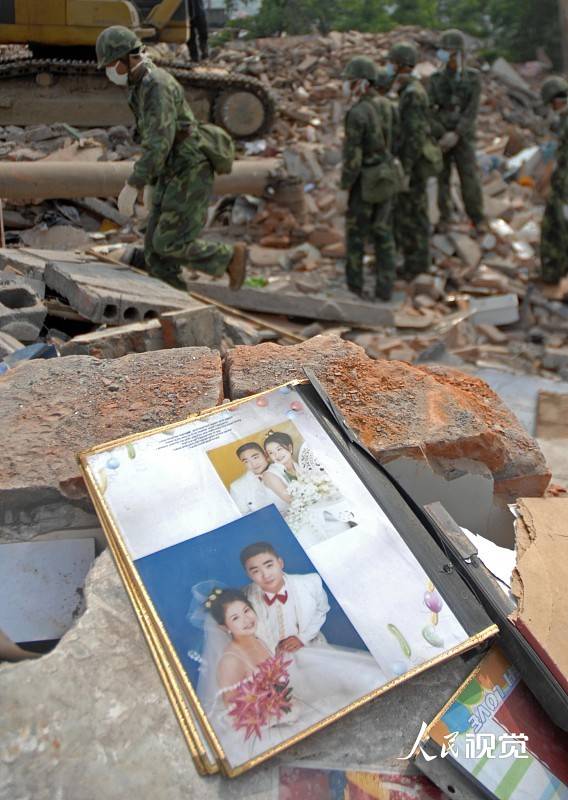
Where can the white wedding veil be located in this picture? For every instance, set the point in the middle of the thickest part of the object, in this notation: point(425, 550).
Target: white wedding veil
point(215, 641)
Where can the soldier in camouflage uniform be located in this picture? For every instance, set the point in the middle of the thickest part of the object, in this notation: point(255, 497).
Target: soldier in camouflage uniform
point(172, 169)
point(412, 225)
point(554, 231)
point(387, 108)
point(366, 136)
point(454, 98)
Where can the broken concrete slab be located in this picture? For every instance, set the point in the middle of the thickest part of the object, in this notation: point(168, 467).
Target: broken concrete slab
point(31, 262)
point(58, 237)
point(501, 309)
point(555, 358)
point(399, 410)
point(101, 678)
point(9, 277)
point(104, 293)
point(8, 344)
point(41, 587)
point(21, 312)
point(467, 248)
point(240, 331)
point(53, 409)
point(102, 209)
point(510, 77)
point(260, 256)
point(443, 244)
point(466, 492)
point(197, 326)
point(296, 304)
point(139, 337)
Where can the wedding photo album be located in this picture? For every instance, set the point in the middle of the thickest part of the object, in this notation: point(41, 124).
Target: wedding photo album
point(275, 592)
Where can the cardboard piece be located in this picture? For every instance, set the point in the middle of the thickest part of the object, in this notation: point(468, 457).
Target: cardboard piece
point(540, 579)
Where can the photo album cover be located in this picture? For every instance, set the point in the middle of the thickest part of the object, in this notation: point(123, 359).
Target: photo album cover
point(495, 732)
point(275, 593)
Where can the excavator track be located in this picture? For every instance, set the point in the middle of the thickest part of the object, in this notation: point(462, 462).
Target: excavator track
point(239, 103)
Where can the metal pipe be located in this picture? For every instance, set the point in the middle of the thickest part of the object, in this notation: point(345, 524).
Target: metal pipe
point(60, 180)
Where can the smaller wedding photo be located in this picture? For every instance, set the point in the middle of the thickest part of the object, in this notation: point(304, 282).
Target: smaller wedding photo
point(278, 466)
point(262, 640)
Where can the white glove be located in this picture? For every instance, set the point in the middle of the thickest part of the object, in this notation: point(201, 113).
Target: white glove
point(147, 197)
point(127, 199)
point(448, 141)
point(565, 211)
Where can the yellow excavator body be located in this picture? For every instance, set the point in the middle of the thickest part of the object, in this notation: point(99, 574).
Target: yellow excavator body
point(56, 80)
point(77, 23)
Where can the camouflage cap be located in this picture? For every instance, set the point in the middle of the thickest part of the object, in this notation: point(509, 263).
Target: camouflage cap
point(114, 43)
point(552, 87)
point(452, 40)
point(404, 54)
point(359, 67)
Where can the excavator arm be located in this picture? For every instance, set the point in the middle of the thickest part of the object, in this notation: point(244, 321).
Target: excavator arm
point(163, 13)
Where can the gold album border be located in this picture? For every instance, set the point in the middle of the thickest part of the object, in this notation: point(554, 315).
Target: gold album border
point(471, 677)
point(164, 649)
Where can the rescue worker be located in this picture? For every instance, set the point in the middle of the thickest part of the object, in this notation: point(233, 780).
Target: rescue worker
point(412, 225)
point(454, 99)
point(554, 231)
point(198, 30)
point(366, 135)
point(172, 176)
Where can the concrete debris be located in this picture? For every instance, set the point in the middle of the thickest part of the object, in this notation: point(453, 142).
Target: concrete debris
point(105, 661)
point(21, 312)
point(343, 307)
point(497, 310)
point(8, 344)
point(112, 294)
point(400, 410)
point(67, 404)
point(92, 348)
point(41, 587)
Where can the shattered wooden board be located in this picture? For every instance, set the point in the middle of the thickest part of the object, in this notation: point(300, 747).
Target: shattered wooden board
point(104, 293)
point(540, 580)
point(293, 304)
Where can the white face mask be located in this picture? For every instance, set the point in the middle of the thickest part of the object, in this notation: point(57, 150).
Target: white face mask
point(346, 89)
point(116, 77)
point(144, 59)
point(361, 87)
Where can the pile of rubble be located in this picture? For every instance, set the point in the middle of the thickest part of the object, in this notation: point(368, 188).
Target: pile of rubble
point(478, 303)
point(113, 351)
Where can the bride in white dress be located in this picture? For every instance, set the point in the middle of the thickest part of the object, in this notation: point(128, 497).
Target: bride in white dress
point(317, 510)
point(315, 682)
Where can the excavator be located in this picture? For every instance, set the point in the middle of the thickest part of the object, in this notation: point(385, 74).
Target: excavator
point(55, 78)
